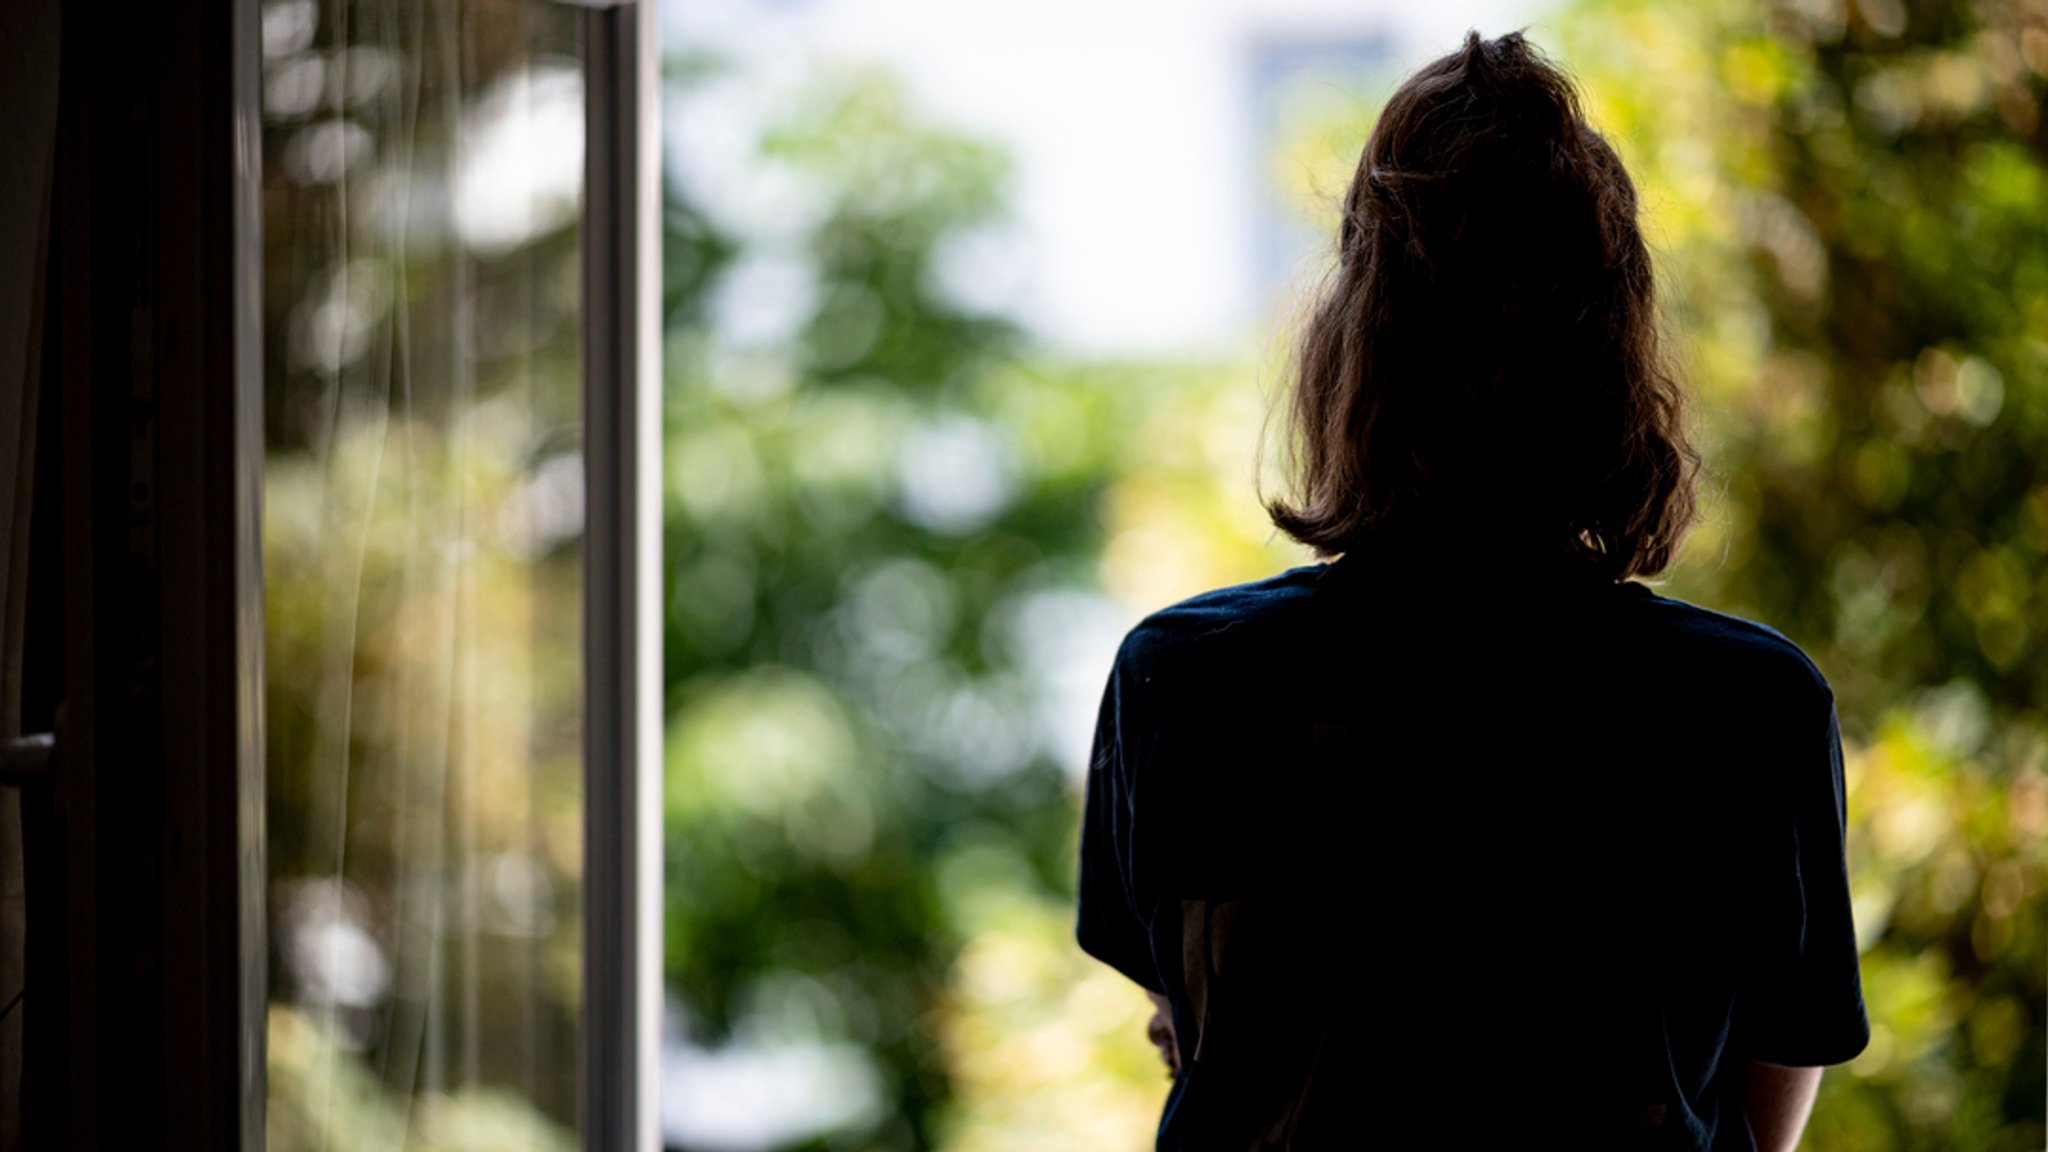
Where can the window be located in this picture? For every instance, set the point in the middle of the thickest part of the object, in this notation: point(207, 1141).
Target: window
point(342, 838)
point(452, 439)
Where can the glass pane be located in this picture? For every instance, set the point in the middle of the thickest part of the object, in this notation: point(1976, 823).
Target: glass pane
point(423, 508)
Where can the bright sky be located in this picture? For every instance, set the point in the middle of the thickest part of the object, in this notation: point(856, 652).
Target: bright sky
point(1130, 121)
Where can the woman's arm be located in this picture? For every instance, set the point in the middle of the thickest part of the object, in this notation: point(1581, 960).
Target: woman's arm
point(1159, 1030)
point(1778, 1100)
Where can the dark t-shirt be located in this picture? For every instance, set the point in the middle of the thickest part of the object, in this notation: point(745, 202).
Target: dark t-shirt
point(1409, 855)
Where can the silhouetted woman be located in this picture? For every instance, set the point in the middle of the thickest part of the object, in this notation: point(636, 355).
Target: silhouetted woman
point(1466, 838)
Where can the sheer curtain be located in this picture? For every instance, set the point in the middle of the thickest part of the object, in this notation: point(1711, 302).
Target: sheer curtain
point(423, 511)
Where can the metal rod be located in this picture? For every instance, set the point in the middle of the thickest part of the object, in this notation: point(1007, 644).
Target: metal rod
point(621, 551)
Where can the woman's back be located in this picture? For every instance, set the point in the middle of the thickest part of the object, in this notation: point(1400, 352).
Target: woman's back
point(1550, 856)
point(1531, 853)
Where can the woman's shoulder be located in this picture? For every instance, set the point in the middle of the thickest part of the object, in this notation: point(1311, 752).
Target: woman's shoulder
point(1723, 645)
point(1261, 622)
point(1225, 617)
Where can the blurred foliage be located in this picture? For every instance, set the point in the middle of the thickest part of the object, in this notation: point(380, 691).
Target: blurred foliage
point(1848, 206)
point(1851, 208)
point(901, 541)
point(322, 1096)
point(882, 520)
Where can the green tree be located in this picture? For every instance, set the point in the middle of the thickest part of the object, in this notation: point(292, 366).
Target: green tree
point(1852, 207)
point(875, 504)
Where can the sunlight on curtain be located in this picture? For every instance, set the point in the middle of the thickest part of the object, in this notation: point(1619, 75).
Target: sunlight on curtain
point(423, 507)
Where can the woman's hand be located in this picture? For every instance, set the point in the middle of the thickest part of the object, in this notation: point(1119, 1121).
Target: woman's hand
point(1159, 1030)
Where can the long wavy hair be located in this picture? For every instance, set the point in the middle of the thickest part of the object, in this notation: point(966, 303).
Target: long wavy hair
point(1482, 368)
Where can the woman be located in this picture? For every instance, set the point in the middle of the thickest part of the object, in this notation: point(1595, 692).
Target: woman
point(1465, 837)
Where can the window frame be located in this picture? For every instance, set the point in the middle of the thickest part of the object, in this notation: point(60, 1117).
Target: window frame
point(148, 875)
point(622, 580)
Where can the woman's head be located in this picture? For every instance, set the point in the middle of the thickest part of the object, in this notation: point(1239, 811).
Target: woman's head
point(1483, 365)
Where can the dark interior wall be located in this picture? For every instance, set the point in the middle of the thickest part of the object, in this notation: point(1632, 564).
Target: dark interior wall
point(138, 597)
